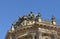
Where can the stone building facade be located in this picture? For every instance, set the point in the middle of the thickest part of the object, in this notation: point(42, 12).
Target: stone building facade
point(34, 27)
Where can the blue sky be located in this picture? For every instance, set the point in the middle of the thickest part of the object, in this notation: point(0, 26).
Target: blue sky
point(11, 9)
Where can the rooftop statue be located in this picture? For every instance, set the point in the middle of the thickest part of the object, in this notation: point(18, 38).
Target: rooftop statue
point(25, 17)
point(39, 15)
point(53, 20)
point(19, 18)
point(31, 15)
